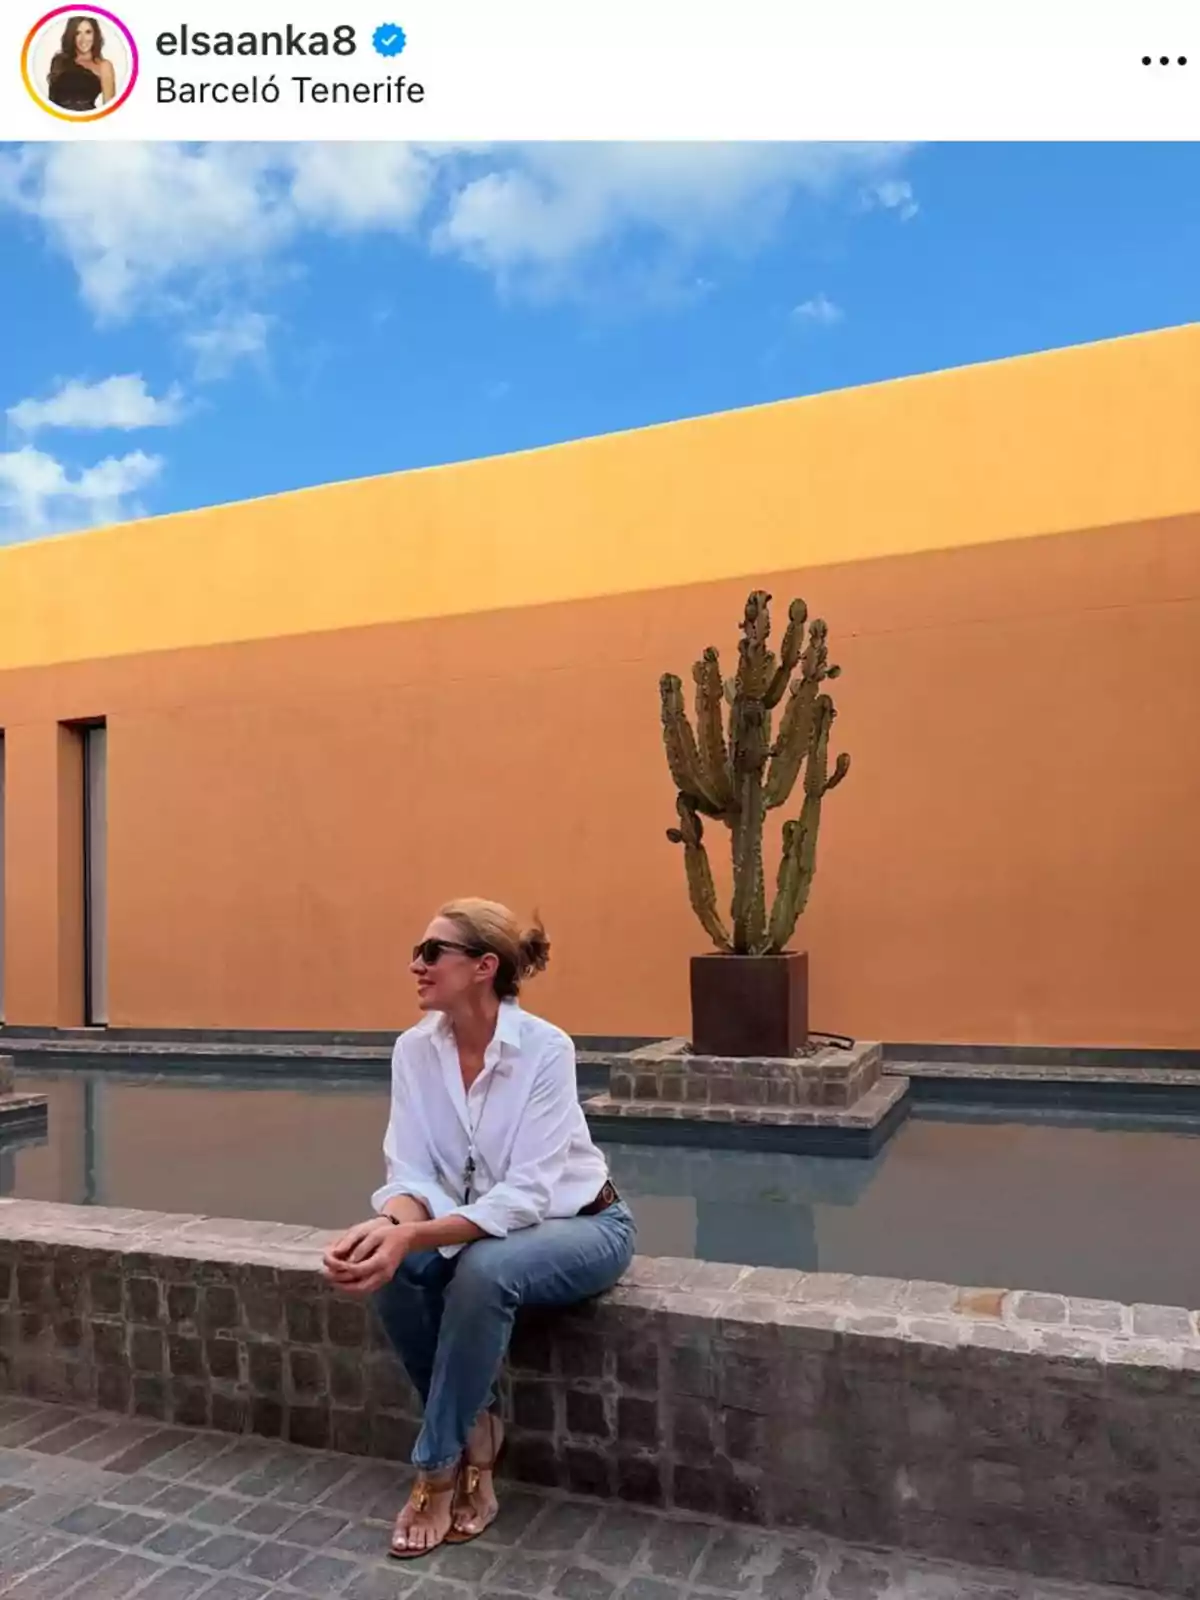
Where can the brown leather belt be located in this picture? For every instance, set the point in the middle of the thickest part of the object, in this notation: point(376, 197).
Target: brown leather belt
point(608, 1196)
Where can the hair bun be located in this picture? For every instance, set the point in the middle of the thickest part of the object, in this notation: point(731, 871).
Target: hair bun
point(534, 948)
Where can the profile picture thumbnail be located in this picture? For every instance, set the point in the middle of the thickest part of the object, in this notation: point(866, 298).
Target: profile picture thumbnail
point(79, 63)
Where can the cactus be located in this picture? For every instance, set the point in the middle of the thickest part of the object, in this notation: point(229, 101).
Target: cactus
point(702, 891)
point(736, 777)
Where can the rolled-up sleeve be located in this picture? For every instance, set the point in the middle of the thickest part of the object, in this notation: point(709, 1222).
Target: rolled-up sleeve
point(539, 1152)
point(409, 1163)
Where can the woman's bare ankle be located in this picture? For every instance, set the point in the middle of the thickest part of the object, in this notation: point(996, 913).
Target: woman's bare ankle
point(484, 1440)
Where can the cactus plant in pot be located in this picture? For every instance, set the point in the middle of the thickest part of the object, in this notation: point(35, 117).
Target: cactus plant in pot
point(750, 997)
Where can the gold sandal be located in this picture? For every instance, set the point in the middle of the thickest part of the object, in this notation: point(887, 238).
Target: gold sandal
point(422, 1493)
point(462, 1510)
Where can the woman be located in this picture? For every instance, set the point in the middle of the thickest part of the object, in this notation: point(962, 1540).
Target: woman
point(495, 1198)
point(79, 74)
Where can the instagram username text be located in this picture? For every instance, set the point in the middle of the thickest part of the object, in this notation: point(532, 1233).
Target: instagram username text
point(290, 41)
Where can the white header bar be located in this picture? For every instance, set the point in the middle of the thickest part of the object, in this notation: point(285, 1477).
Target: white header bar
point(479, 70)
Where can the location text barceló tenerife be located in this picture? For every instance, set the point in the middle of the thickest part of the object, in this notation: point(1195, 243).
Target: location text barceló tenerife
point(397, 91)
point(290, 42)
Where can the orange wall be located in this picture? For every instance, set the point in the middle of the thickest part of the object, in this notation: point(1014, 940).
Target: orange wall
point(330, 710)
point(1013, 859)
point(1091, 436)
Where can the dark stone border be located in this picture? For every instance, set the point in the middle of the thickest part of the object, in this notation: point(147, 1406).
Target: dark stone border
point(137, 1062)
point(1118, 1058)
point(1108, 1096)
point(13, 1033)
point(232, 1072)
point(222, 1057)
point(263, 1044)
point(188, 1040)
point(22, 1116)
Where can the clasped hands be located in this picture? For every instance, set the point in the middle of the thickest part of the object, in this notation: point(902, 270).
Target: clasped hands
point(368, 1255)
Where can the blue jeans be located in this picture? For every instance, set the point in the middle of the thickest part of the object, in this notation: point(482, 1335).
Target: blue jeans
point(451, 1320)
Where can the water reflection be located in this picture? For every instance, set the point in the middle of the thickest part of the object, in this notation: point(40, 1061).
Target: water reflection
point(1082, 1205)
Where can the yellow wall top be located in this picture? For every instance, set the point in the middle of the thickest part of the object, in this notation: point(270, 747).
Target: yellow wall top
point(1083, 437)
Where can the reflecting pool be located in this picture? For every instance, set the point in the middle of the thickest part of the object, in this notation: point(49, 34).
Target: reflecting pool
point(1079, 1204)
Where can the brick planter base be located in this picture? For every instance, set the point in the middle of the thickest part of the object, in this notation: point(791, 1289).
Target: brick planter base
point(828, 1101)
point(19, 1113)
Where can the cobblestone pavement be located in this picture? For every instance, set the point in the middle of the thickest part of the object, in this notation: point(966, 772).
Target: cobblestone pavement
point(99, 1508)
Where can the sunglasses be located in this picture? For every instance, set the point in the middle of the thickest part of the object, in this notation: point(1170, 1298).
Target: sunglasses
point(430, 951)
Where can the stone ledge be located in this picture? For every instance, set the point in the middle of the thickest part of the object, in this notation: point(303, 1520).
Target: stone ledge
point(170, 1050)
point(1031, 1430)
point(1109, 1330)
point(21, 1111)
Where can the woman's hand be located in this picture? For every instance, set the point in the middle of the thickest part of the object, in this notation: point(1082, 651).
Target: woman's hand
point(368, 1255)
point(355, 1244)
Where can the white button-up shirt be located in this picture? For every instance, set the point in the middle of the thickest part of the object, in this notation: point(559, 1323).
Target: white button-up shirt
point(534, 1157)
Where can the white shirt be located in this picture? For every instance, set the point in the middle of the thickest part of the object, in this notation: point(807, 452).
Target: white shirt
point(534, 1156)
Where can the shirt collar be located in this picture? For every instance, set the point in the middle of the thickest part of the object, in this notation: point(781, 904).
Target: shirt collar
point(508, 1028)
point(508, 1025)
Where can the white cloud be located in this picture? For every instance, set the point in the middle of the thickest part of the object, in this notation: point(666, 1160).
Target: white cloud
point(138, 219)
point(894, 194)
point(820, 309)
point(231, 338)
point(39, 495)
point(346, 187)
point(148, 225)
point(545, 206)
point(123, 403)
point(143, 222)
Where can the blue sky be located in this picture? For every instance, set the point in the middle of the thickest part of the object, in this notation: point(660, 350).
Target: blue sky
point(190, 325)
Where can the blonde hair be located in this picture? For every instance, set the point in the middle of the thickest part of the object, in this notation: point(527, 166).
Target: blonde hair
point(489, 926)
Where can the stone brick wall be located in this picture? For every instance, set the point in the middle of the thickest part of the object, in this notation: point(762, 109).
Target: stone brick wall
point(19, 1113)
point(828, 1077)
point(840, 1096)
point(1052, 1435)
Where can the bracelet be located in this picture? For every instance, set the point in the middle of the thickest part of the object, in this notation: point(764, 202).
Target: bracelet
point(386, 1217)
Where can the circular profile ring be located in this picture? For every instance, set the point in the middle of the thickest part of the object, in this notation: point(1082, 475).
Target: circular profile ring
point(88, 11)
